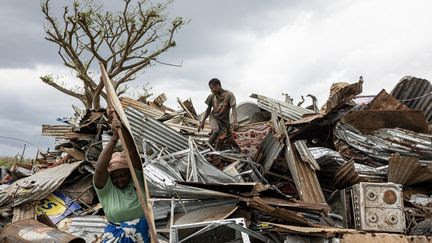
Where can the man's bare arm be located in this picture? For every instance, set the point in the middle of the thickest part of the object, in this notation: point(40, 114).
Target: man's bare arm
point(206, 114)
point(234, 113)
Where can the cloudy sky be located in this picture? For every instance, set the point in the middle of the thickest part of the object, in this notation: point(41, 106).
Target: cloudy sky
point(267, 47)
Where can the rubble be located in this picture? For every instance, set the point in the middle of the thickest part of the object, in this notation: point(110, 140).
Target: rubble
point(360, 164)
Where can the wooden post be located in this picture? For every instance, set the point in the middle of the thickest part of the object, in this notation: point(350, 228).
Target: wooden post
point(130, 150)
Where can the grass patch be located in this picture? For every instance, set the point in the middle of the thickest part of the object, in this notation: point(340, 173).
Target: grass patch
point(8, 161)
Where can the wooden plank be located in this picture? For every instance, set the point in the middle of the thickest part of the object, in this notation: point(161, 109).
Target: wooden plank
point(185, 109)
point(131, 151)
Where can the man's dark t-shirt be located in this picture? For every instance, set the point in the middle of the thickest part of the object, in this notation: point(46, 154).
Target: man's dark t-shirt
point(221, 106)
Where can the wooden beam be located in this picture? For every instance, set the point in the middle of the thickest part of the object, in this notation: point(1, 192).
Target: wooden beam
point(130, 150)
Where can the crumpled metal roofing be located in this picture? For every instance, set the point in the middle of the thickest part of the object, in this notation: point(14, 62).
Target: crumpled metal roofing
point(329, 160)
point(407, 170)
point(416, 93)
point(306, 155)
point(325, 156)
point(385, 141)
point(163, 183)
point(289, 111)
point(56, 130)
point(158, 134)
point(303, 172)
point(37, 186)
point(352, 173)
point(89, 227)
point(144, 108)
point(271, 147)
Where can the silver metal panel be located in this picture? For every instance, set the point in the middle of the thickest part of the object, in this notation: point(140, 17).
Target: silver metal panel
point(89, 228)
point(150, 129)
point(306, 155)
point(270, 148)
point(384, 142)
point(289, 111)
point(36, 186)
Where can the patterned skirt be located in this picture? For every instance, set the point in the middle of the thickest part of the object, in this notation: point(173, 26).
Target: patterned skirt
point(127, 232)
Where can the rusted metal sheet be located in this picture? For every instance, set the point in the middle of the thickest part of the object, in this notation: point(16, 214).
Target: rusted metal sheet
point(36, 186)
point(56, 130)
point(407, 170)
point(385, 101)
point(309, 231)
point(144, 108)
point(352, 173)
point(305, 178)
point(289, 111)
point(250, 136)
point(341, 94)
point(383, 238)
point(368, 121)
point(416, 93)
point(30, 230)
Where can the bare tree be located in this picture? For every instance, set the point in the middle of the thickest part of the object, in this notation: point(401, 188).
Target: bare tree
point(125, 42)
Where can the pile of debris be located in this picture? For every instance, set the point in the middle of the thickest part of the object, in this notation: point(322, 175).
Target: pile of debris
point(359, 165)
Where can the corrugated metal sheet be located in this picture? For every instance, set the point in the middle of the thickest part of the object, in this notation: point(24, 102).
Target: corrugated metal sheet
point(90, 228)
point(144, 108)
point(352, 173)
point(384, 142)
point(270, 149)
point(56, 130)
point(416, 93)
point(159, 134)
point(305, 178)
point(407, 170)
point(289, 111)
point(36, 186)
point(307, 183)
point(326, 157)
point(306, 155)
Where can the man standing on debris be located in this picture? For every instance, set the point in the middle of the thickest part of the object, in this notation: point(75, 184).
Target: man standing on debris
point(116, 192)
point(219, 103)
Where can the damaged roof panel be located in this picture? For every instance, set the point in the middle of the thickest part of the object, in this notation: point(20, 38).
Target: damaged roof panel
point(407, 170)
point(415, 93)
point(36, 186)
point(289, 111)
point(159, 134)
point(56, 130)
